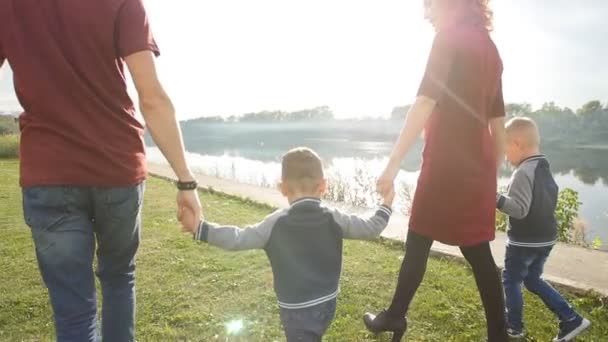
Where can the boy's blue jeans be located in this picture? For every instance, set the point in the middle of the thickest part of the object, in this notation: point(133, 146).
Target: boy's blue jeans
point(66, 222)
point(525, 265)
point(308, 324)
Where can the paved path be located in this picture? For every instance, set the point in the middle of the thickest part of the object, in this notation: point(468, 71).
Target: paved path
point(570, 266)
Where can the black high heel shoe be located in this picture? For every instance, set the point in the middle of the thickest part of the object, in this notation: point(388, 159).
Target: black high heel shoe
point(384, 321)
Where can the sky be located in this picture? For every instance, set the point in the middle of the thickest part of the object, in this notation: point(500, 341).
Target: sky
point(361, 58)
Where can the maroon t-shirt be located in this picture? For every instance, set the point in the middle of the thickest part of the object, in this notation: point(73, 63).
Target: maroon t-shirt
point(79, 126)
point(456, 194)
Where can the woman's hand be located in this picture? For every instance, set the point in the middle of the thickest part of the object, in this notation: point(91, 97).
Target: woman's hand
point(386, 181)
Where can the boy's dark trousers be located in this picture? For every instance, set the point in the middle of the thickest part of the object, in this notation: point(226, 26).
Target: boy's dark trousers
point(308, 324)
point(525, 265)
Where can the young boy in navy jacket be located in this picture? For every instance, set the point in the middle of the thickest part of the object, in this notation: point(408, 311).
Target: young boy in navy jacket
point(304, 245)
point(530, 203)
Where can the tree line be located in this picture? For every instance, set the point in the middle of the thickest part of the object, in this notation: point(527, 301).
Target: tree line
point(562, 125)
point(321, 113)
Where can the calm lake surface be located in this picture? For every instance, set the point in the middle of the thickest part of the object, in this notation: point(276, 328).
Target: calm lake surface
point(254, 157)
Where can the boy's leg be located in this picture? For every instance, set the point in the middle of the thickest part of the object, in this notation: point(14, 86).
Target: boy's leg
point(412, 271)
point(117, 225)
point(535, 284)
point(308, 324)
point(517, 261)
point(487, 278)
point(63, 236)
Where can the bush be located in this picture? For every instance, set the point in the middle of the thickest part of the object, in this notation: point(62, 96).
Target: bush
point(566, 214)
point(9, 146)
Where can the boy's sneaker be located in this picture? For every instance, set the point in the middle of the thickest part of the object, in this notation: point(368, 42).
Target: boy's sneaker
point(515, 334)
point(572, 328)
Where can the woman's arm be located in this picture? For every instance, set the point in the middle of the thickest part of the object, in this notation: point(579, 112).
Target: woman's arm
point(412, 128)
point(497, 130)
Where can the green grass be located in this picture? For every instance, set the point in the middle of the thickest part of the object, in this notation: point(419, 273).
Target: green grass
point(189, 291)
point(8, 124)
point(9, 146)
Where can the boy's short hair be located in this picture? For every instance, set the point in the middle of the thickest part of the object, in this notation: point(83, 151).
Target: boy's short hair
point(524, 128)
point(302, 169)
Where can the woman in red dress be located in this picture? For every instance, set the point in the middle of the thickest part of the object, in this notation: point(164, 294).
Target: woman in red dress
point(460, 107)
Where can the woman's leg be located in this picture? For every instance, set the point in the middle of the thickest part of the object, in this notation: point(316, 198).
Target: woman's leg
point(417, 249)
point(488, 282)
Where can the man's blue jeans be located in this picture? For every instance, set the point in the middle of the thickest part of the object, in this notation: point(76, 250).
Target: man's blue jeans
point(525, 265)
point(66, 223)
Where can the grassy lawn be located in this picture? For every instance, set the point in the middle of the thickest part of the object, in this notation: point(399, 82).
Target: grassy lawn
point(189, 291)
point(9, 146)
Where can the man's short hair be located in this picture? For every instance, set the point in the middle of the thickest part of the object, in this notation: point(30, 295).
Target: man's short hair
point(302, 169)
point(524, 128)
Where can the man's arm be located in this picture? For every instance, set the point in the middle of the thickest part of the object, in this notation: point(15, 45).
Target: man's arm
point(516, 203)
point(135, 43)
point(159, 115)
point(363, 228)
point(236, 239)
point(158, 112)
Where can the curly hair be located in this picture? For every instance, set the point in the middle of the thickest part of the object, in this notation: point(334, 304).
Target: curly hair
point(481, 14)
point(477, 12)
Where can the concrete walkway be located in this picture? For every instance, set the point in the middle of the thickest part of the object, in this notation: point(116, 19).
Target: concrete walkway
point(573, 267)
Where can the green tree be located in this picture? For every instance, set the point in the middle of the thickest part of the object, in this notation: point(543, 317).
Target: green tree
point(550, 108)
point(590, 107)
point(518, 109)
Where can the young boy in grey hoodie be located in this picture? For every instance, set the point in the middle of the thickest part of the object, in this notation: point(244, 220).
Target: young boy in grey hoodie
point(304, 245)
point(530, 203)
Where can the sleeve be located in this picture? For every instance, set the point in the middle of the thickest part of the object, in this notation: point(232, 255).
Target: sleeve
point(359, 228)
point(133, 32)
point(236, 239)
point(516, 202)
point(498, 107)
point(439, 65)
point(2, 56)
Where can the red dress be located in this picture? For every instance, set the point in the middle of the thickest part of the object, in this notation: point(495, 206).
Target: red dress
point(455, 198)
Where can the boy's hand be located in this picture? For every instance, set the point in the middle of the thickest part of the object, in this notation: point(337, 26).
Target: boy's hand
point(389, 196)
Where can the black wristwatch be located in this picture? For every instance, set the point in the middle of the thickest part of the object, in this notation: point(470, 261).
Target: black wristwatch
point(184, 186)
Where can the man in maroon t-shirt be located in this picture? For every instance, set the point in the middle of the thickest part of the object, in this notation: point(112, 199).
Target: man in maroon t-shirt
point(82, 152)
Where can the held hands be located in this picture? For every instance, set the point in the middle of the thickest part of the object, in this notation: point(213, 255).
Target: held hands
point(389, 197)
point(386, 182)
point(189, 211)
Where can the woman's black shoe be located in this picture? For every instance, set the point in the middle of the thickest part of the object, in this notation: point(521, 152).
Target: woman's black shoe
point(386, 322)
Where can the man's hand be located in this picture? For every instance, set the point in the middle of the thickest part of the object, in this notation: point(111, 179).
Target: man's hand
point(189, 211)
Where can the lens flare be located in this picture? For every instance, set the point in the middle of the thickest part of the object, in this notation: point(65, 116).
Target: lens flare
point(234, 327)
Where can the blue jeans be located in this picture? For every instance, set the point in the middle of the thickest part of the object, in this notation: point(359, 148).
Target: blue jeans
point(66, 222)
point(308, 324)
point(525, 265)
